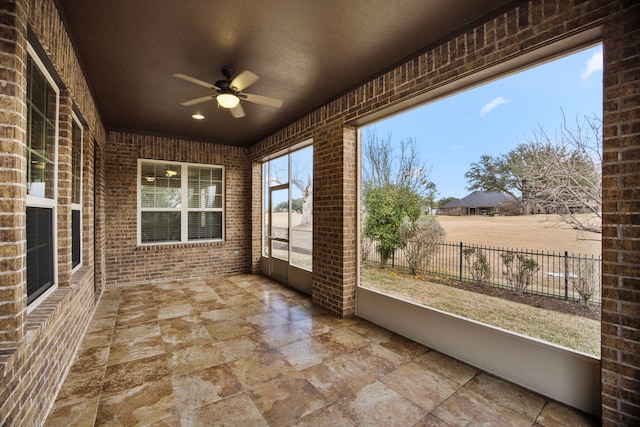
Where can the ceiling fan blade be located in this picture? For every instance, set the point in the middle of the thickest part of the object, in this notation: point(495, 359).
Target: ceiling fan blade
point(198, 100)
point(196, 81)
point(237, 111)
point(263, 100)
point(243, 80)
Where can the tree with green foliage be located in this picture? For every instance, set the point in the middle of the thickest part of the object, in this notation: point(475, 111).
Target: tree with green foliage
point(559, 173)
point(501, 174)
point(444, 200)
point(396, 185)
point(386, 207)
point(296, 206)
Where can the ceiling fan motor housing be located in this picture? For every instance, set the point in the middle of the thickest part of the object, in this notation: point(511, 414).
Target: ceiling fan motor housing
point(223, 85)
point(229, 73)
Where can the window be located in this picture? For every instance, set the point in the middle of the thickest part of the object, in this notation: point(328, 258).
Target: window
point(179, 202)
point(42, 138)
point(76, 192)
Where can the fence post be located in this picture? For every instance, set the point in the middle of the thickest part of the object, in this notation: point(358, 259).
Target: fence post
point(461, 261)
point(566, 275)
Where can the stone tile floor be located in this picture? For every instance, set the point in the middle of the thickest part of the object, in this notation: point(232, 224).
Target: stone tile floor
point(244, 350)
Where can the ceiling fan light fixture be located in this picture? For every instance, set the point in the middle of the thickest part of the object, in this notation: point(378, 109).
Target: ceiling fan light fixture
point(228, 100)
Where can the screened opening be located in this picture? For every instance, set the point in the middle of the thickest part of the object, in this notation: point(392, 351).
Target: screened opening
point(509, 233)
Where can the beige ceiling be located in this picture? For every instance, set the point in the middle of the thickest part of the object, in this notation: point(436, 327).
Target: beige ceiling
point(306, 53)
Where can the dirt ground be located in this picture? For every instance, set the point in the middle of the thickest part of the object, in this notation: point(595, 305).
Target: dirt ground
point(528, 232)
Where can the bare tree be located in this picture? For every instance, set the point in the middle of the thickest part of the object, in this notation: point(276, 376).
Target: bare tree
point(303, 181)
point(563, 173)
point(399, 164)
point(306, 188)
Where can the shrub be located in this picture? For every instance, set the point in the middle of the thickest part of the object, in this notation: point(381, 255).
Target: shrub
point(518, 270)
point(477, 265)
point(420, 240)
point(584, 280)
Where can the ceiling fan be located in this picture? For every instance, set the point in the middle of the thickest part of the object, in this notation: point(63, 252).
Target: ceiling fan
point(229, 91)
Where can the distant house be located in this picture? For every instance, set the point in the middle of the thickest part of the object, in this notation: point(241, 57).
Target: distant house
point(482, 203)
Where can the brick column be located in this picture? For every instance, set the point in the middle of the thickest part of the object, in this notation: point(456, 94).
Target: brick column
point(334, 219)
point(13, 190)
point(621, 219)
point(256, 215)
point(65, 262)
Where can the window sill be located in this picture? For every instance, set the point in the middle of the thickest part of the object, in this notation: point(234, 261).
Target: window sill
point(176, 245)
point(37, 321)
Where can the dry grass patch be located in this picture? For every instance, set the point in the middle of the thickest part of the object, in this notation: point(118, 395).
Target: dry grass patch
point(575, 332)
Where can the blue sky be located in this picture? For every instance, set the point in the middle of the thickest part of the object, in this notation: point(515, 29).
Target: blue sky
point(453, 133)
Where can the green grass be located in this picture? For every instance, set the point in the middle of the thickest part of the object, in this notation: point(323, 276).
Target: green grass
point(575, 332)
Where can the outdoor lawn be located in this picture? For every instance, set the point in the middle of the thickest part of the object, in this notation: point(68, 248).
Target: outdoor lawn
point(578, 332)
point(575, 332)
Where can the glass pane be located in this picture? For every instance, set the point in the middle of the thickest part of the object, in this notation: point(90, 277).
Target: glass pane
point(160, 227)
point(76, 162)
point(205, 187)
point(280, 250)
point(41, 133)
point(75, 237)
point(302, 208)
point(280, 214)
point(265, 210)
point(205, 225)
point(160, 186)
point(278, 171)
point(39, 251)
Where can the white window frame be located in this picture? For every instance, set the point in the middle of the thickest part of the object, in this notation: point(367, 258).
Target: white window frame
point(265, 167)
point(78, 206)
point(184, 206)
point(44, 202)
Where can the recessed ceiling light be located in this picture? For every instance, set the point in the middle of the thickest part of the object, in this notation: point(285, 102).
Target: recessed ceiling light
point(198, 116)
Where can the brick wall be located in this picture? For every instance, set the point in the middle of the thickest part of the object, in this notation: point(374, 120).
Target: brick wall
point(621, 220)
point(520, 30)
point(128, 263)
point(256, 214)
point(13, 188)
point(37, 348)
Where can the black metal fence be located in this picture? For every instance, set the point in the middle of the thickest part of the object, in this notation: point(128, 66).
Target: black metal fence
point(567, 276)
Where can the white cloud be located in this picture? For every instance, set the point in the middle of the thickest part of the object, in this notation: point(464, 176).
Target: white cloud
point(457, 147)
point(486, 108)
point(594, 64)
